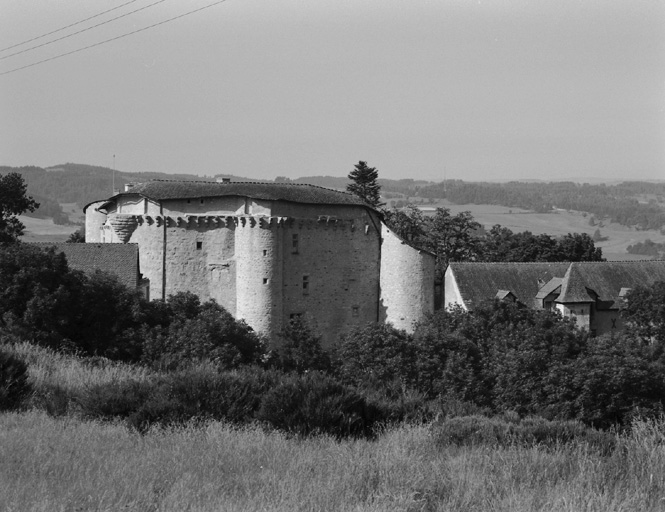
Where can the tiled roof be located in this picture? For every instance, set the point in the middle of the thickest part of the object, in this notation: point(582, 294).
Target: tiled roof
point(573, 287)
point(119, 259)
point(482, 281)
point(160, 190)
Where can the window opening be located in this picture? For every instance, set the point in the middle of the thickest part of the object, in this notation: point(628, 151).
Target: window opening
point(295, 243)
point(355, 311)
point(199, 246)
point(265, 280)
point(305, 284)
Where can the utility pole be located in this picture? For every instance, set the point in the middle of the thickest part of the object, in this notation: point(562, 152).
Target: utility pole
point(113, 189)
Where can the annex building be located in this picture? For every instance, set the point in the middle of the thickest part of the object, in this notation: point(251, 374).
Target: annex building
point(591, 292)
point(268, 252)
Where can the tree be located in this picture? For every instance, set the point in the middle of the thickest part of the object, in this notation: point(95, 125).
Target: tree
point(644, 312)
point(77, 237)
point(300, 349)
point(452, 238)
point(13, 202)
point(365, 184)
point(409, 224)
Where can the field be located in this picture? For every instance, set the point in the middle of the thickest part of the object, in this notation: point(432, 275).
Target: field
point(51, 464)
point(560, 222)
point(69, 464)
point(43, 230)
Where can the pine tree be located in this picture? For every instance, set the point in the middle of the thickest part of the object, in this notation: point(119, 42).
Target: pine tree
point(365, 184)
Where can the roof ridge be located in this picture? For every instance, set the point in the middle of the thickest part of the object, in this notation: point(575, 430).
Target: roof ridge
point(224, 183)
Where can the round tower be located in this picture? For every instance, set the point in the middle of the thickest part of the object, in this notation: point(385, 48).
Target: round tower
point(258, 255)
point(94, 220)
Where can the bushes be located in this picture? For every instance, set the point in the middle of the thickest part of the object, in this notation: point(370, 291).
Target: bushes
point(315, 403)
point(14, 386)
point(494, 432)
point(189, 331)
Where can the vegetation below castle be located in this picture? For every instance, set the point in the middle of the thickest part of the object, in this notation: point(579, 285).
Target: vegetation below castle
point(170, 405)
point(202, 363)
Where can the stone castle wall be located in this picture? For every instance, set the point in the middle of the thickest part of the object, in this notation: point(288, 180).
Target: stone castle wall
point(266, 262)
point(407, 282)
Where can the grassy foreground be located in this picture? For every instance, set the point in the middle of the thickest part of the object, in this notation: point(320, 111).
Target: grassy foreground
point(67, 464)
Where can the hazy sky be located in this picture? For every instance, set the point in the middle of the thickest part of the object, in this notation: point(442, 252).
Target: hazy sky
point(485, 89)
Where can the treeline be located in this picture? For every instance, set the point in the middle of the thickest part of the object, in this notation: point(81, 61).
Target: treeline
point(500, 357)
point(77, 183)
point(647, 248)
point(460, 238)
point(616, 203)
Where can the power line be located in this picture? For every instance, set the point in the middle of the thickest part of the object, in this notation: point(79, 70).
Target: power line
point(82, 30)
point(113, 38)
point(64, 28)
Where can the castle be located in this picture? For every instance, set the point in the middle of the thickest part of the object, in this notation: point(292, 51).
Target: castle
point(269, 252)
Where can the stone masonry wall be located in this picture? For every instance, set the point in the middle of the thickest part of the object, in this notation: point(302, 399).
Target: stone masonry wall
point(266, 269)
point(407, 282)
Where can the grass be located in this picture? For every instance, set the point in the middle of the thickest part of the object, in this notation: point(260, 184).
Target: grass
point(66, 464)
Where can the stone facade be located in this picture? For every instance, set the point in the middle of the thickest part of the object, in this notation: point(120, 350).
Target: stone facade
point(270, 253)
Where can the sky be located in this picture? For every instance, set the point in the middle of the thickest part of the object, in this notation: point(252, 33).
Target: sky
point(422, 89)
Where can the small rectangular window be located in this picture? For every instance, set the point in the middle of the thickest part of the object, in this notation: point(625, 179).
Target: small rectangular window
point(265, 280)
point(202, 201)
point(199, 246)
point(293, 316)
point(265, 252)
point(355, 311)
point(305, 284)
point(295, 243)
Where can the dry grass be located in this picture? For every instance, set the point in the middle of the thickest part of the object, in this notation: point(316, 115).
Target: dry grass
point(67, 464)
point(48, 369)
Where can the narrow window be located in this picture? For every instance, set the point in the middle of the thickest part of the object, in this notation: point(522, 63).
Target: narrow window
point(355, 311)
point(265, 280)
point(295, 243)
point(265, 252)
point(189, 201)
point(199, 246)
point(305, 284)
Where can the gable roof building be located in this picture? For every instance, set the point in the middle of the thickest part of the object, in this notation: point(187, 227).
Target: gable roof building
point(122, 260)
point(592, 292)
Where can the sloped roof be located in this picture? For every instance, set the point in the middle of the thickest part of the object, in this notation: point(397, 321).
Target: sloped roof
point(482, 281)
point(573, 287)
point(160, 190)
point(549, 287)
point(119, 259)
point(609, 277)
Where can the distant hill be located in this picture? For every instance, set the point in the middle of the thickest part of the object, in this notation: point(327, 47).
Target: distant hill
point(638, 204)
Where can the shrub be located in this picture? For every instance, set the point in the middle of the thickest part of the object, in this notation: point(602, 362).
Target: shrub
point(199, 332)
point(300, 349)
point(315, 403)
point(481, 430)
point(14, 385)
point(377, 353)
